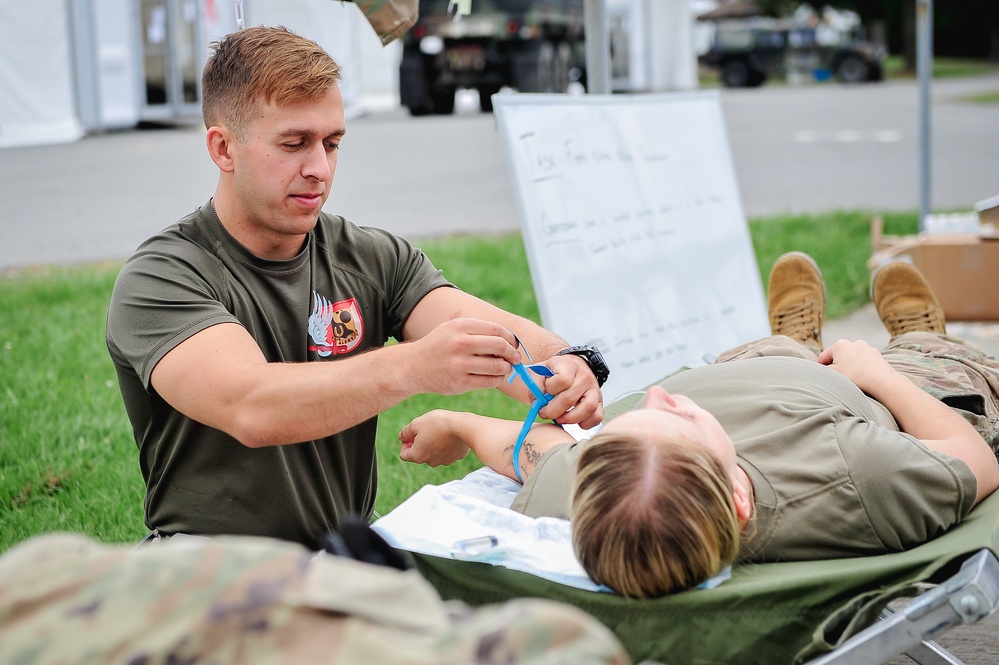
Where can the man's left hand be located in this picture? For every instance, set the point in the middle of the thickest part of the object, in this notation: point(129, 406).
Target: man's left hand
point(577, 397)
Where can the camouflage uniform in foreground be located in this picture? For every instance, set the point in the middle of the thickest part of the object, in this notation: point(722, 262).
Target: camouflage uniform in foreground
point(390, 18)
point(958, 374)
point(65, 599)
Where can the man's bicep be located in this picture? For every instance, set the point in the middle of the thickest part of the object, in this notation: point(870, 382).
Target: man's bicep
point(205, 375)
point(439, 305)
point(156, 304)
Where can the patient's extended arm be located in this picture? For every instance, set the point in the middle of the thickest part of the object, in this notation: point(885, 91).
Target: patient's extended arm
point(917, 412)
point(442, 437)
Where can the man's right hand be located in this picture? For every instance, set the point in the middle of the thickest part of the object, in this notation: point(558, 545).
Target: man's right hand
point(463, 354)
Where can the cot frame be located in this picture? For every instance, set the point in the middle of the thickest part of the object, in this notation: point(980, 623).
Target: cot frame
point(829, 612)
point(967, 597)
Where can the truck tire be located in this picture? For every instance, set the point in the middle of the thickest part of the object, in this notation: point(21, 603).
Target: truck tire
point(875, 72)
point(735, 74)
point(852, 69)
point(417, 91)
point(486, 93)
point(413, 92)
point(442, 100)
point(533, 66)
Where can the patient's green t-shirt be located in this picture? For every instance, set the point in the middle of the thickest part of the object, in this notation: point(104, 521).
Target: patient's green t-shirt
point(832, 475)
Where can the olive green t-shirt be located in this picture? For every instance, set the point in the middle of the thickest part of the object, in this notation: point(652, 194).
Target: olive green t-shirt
point(348, 291)
point(832, 475)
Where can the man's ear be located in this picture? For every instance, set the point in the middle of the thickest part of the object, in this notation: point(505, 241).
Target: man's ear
point(220, 142)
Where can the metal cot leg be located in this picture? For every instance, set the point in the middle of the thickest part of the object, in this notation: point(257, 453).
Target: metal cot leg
point(968, 596)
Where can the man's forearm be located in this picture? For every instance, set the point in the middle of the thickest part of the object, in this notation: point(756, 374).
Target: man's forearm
point(286, 403)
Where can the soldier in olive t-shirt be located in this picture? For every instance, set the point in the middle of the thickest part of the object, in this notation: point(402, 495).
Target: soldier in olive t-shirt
point(348, 291)
point(250, 332)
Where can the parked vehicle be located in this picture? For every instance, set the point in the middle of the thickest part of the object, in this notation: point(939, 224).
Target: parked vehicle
point(747, 52)
point(530, 45)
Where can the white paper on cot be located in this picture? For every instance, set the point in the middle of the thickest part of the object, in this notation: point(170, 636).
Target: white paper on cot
point(438, 517)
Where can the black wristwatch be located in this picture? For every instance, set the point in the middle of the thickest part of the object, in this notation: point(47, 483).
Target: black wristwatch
point(593, 358)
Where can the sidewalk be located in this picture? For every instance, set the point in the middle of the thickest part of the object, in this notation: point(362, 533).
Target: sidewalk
point(865, 324)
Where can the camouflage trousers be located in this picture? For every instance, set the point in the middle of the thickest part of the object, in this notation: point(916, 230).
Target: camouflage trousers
point(67, 600)
point(958, 374)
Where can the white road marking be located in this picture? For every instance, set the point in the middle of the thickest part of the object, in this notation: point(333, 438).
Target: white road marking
point(847, 136)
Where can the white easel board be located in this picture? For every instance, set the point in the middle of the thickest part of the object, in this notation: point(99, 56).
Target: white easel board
point(634, 229)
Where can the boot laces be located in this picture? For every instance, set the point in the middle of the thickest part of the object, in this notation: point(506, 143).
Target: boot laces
point(925, 320)
point(798, 321)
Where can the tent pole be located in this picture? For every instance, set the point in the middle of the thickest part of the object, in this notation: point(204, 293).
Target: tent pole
point(597, 48)
point(924, 65)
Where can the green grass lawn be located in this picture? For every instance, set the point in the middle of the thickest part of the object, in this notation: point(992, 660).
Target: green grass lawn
point(942, 67)
point(988, 98)
point(67, 458)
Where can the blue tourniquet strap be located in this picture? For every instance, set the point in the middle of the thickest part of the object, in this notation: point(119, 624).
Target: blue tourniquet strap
point(541, 399)
point(531, 415)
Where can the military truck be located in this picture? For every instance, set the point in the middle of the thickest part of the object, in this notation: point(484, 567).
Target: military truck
point(748, 52)
point(530, 45)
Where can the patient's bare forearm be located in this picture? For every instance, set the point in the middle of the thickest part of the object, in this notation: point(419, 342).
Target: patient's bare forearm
point(492, 440)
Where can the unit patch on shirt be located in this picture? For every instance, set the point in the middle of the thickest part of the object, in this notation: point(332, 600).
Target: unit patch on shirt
point(336, 328)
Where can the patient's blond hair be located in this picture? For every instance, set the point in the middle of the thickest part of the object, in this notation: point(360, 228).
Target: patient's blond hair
point(262, 65)
point(652, 518)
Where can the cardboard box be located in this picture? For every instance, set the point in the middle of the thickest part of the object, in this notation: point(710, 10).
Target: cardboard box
point(988, 211)
point(962, 269)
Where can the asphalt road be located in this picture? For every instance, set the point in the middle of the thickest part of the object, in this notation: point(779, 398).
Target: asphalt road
point(795, 149)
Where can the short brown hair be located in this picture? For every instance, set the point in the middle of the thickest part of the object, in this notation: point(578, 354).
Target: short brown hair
point(265, 65)
point(652, 519)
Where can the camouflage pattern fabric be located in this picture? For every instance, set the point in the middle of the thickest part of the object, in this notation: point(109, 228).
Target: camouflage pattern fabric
point(776, 345)
point(390, 18)
point(65, 599)
point(957, 373)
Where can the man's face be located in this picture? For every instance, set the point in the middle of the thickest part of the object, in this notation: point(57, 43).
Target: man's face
point(283, 170)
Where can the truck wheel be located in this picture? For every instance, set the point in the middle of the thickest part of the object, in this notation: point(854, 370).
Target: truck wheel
point(486, 93)
point(532, 67)
point(442, 100)
point(756, 78)
point(852, 69)
point(413, 89)
point(735, 74)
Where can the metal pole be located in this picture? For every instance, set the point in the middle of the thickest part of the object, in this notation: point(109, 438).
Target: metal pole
point(598, 79)
point(84, 49)
point(924, 66)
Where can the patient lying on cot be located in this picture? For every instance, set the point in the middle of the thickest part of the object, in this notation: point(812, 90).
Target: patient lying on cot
point(781, 450)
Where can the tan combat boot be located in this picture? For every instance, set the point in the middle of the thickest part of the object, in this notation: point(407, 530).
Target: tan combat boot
point(796, 299)
point(905, 301)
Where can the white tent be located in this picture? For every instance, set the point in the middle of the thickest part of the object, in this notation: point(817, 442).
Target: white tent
point(37, 102)
point(67, 68)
